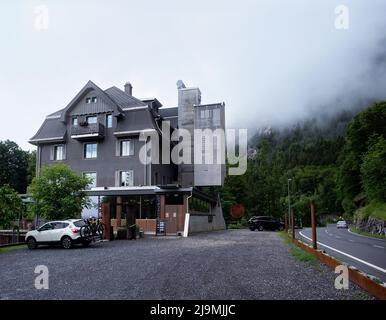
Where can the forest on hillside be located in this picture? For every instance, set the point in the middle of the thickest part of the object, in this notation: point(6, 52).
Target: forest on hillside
point(339, 164)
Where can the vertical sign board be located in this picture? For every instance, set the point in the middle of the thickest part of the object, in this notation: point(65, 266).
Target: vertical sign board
point(160, 223)
point(161, 227)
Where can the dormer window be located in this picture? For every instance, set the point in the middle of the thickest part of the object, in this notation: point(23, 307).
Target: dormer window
point(91, 100)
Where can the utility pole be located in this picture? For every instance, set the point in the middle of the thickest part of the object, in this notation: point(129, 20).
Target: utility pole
point(289, 201)
point(313, 223)
point(293, 224)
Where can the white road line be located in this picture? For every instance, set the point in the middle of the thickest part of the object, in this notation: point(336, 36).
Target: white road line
point(337, 237)
point(351, 240)
point(380, 247)
point(361, 235)
point(347, 255)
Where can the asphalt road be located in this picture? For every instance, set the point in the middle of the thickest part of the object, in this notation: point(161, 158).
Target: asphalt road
point(364, 253)
point(232, 264)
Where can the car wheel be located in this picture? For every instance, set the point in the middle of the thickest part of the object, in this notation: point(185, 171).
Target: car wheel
point(260, 228)
point(66, 242)
point(31, 243)
point(252, 228)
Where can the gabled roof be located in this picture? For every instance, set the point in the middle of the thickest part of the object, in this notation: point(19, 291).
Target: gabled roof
point(137, 114)
point(137, 119)
point(56, 114)
point(122, 99)
point(87, 88)
point(52, 130)
point(154, 101)
point(168, 112)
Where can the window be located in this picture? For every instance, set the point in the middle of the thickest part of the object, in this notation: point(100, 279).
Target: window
point(60, 225)
point(91, 100)
point(93, 177)
point(109, 121)
point(126, 148)
point(91, 119)
point(90, 150)
point(74, 121)
point(80, 223)
point(58, 153)
point(216, 117)
point(205, 114)
point(45, 227)
point(126, 178)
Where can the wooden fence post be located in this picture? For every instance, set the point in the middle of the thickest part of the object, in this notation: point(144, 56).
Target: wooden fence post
point(293, 223)
point(313, 224)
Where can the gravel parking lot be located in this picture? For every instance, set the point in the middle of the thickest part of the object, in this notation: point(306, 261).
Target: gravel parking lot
point(232, 264)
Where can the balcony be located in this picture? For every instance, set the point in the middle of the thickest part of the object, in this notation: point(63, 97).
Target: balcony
point(88, 131)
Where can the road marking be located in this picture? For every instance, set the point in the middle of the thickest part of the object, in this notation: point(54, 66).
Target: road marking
point(380, 247)
point(361, 235)
point(347, 255)
point(337, 237)
point(351, 240)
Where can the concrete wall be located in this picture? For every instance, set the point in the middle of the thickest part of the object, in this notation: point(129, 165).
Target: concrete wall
point(199, 223)
point(210, 117)
point(187, 99)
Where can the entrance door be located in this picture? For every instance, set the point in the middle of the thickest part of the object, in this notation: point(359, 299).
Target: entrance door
point(171, 214)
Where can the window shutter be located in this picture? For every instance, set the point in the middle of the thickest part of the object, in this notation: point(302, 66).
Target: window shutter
point(117, 184)
point(131, 146)
point(117, 148)
point(52, 151)
point(131, 177)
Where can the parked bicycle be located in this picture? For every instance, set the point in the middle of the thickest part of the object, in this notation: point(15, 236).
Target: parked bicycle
point(93, 227)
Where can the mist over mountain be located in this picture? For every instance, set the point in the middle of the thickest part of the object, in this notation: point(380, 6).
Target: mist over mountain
point(357, 93)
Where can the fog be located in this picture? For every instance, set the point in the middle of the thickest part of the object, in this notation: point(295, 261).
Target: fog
point(272, 62)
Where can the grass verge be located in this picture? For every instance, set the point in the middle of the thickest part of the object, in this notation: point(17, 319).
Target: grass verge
point(298, 253)
point(12, 248)
point(368, 234)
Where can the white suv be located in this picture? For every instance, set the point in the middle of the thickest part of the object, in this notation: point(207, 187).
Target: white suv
point(66, 233)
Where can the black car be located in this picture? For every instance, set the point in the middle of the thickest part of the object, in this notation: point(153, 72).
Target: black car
point(264, 223)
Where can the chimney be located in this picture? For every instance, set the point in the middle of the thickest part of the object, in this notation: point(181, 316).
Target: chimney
point(180, 84)
point(129, 88)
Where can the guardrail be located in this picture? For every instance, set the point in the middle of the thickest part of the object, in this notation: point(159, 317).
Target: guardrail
point(361, 279)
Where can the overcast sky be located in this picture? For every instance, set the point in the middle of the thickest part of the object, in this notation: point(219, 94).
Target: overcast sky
point(271, 62)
